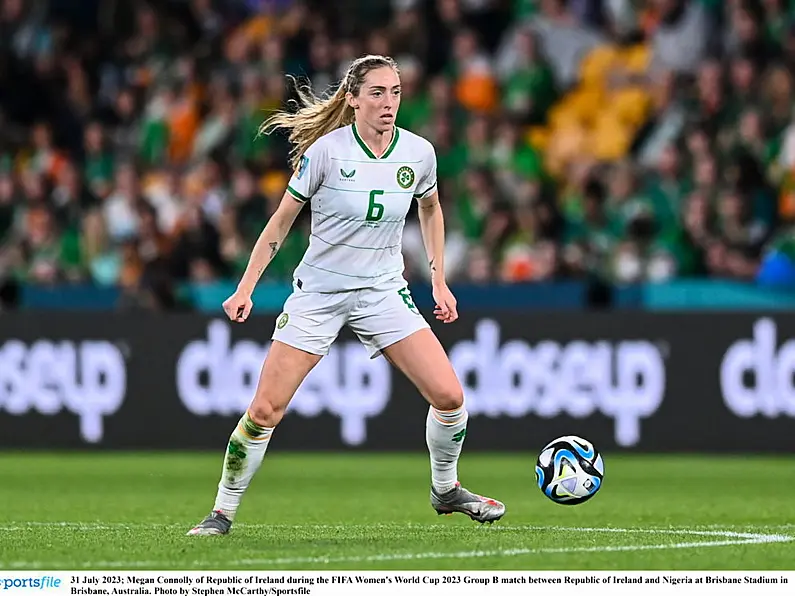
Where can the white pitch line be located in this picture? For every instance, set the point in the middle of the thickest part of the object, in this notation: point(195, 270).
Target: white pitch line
point(513, 552)
point(669, 531)
point(730, 538)
point(708, 530)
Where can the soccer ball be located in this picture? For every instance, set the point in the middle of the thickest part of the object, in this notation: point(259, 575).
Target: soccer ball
point(569, 470)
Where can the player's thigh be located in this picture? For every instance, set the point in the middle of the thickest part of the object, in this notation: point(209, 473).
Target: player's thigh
point(311, 321)
point(303, 334)
point(421, 357)
point(383, 316)
point(387, 322)
point(283, 371)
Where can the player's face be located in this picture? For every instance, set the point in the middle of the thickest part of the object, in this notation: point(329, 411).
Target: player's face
point(379, 98)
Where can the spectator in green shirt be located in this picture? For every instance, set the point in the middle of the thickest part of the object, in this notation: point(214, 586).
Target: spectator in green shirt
point(528, 88)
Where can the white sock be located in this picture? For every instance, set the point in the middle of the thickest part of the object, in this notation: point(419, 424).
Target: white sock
point(444, 434)
point(243, 457)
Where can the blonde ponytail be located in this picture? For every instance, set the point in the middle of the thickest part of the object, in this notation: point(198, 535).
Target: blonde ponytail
point(317, 116)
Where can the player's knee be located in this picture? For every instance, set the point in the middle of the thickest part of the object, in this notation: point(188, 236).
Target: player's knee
point(449, 397)
point(262, 412)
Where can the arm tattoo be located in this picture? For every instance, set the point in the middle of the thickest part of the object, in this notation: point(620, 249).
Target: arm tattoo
point(274, 249)
point(433, 267)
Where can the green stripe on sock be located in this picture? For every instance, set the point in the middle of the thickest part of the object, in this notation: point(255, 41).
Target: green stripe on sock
point(251, 428)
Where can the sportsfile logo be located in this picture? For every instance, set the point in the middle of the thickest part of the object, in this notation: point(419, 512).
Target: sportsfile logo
point(44, 582)
point(216, 376)
point(623, 380)
point(756, 375)
point(87, 378)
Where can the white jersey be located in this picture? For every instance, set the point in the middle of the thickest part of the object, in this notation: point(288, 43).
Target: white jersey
point(359, 204)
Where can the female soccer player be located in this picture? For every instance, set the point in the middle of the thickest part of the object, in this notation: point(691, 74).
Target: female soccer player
point(359, 173)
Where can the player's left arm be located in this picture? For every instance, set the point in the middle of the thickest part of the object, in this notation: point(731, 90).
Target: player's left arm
point(432, 226)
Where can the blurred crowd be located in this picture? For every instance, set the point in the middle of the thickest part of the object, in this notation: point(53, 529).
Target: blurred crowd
point(619, 140)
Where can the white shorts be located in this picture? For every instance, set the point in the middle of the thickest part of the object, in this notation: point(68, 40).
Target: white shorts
point(381, 316)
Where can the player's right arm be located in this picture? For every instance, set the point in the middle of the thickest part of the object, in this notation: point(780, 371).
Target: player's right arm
point(304, 183)
point(269, 242)
point(238, 306)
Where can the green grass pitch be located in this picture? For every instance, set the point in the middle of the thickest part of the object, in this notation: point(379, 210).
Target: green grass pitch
point(355, 511)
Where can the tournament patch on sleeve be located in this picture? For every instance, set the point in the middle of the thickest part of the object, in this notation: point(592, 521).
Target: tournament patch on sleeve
point(302, 166)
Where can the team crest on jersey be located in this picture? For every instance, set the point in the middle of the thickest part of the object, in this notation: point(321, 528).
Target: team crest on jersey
point(282, 321)
point(405, 177)
point(302, 165)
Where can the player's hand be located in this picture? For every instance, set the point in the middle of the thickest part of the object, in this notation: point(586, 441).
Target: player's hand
point(238, 306)
point(446, 306)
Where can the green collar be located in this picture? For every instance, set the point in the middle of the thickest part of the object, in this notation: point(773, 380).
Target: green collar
point(366, 149)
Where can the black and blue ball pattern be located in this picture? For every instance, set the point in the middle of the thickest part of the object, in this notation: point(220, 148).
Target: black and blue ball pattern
point(569, 470)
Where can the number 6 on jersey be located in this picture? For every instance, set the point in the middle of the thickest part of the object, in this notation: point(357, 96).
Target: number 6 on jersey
point(375, 210)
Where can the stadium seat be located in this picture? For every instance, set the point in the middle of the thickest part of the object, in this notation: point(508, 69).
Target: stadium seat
point(595, 118)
